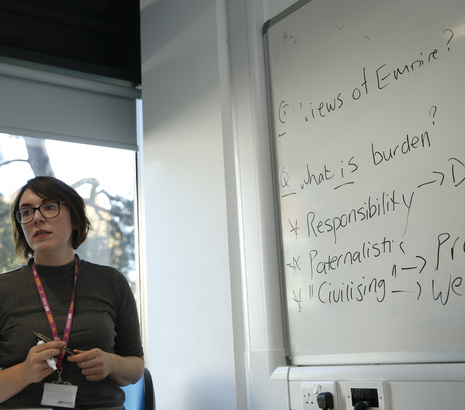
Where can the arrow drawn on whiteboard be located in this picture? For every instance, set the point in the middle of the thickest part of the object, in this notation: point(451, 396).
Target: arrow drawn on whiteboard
point(409, 291)
point(435, 180)
point(394, 267)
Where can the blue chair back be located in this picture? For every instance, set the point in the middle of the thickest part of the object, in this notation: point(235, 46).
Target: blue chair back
point(140, 396)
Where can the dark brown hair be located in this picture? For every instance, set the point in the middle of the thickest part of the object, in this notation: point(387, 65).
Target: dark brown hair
point(50, 188)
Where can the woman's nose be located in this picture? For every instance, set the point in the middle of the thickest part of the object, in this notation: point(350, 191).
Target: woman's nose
point(38, 216)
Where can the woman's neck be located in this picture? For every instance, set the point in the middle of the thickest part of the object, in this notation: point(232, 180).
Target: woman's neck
point(53, 260)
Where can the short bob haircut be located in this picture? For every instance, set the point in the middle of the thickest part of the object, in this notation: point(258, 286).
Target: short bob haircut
point(50, 188)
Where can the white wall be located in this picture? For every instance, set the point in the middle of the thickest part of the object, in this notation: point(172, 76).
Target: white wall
point(214, 315)
point(191, 350)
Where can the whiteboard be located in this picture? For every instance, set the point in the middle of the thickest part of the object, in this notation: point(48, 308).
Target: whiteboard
point(367, 113)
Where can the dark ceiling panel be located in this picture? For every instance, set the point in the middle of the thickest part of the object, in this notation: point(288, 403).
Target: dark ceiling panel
point(98, 38)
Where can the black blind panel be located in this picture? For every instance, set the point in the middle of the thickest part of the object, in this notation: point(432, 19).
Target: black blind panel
point(94, 38)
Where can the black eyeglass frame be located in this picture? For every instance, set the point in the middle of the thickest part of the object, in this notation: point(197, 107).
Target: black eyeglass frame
point(18, 212)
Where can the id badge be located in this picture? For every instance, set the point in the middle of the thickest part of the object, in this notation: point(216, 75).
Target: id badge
point(59, 395)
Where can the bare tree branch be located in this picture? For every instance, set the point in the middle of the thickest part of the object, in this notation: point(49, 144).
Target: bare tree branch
point(13, 160)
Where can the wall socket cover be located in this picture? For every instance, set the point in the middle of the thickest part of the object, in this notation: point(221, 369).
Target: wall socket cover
point(378, 385)
point(310, 391)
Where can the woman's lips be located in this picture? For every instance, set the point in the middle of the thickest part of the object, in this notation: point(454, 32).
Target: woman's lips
point(40, 233)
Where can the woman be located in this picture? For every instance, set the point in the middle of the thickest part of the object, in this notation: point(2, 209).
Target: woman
point(74, 302)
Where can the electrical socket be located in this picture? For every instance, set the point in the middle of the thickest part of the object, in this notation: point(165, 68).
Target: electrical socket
point(310, 391)
point(381, 391)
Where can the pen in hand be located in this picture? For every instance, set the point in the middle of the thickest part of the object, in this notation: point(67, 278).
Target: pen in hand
point(45, 339)
point(50, 361)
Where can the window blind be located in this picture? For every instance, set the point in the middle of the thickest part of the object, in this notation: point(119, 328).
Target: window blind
point(53, 106)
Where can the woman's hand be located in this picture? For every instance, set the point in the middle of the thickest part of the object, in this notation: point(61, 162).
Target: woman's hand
point(96, 364)
point(36, 367)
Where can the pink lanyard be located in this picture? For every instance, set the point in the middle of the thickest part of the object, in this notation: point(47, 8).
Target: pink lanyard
point(48, 311)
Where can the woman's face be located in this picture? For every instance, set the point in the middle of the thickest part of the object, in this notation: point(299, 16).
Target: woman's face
point(49, 238)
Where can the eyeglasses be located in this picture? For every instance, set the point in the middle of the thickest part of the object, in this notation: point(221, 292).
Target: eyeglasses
point(48, 210)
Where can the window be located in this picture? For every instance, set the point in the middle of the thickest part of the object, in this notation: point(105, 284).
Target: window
point(104, 177)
